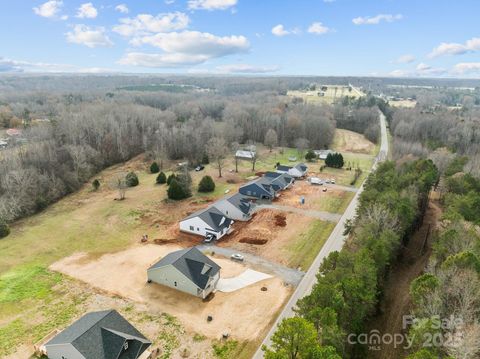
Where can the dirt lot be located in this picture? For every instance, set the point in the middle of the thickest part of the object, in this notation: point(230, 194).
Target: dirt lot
point(243, 314)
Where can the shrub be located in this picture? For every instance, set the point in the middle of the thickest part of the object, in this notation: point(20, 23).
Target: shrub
point(176, 191)
point(154, 168)
point(206, 184)
point(161, 178)
point(4, 229)
point(170, 178)
point(310, 156)
point(96, 184)
point(131, 179)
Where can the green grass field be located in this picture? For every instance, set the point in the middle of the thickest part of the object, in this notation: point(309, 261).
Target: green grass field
point(303, 251)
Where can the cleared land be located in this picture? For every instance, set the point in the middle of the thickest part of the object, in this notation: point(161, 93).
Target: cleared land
point(403, 103)
point(242, 314)
point(34, 299)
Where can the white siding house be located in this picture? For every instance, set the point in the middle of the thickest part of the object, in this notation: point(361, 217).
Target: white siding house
point(237, 207)
point(207, 221)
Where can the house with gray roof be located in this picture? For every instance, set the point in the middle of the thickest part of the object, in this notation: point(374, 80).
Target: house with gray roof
point(279, 181)
point(237, 207)
point(260, 188)
point(207, 221)
point(298, 171)
point(98, 335)
point(187, 270)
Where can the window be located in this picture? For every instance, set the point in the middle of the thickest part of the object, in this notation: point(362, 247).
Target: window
point(191, 228)
point(198, 229)
point(175, 284)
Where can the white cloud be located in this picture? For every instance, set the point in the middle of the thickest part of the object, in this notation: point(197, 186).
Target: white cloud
point(464, 68)
point(318, 28)
point(421, 70)
point(279, 30)
point(8, 65)
point(375, 20)
point(87, 11)
point(50, 9)
point(195, 42)
point(144, 24)
point(184, 48)
point(89, 36)
point(246, 69)
point(452, 48)
point(169, 2)
point(405, 59)
point(211, 4)
point(161, 60)
point(123, 8)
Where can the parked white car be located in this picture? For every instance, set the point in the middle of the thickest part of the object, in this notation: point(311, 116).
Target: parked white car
point(237, 257)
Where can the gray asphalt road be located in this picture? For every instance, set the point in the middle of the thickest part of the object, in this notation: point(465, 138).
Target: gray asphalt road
point(324, 216)
point(289, 275)
point(334, 243)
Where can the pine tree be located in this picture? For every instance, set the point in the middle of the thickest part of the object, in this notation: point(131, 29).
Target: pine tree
point(170, 178)
point(161, 178)
point(154, 168)
point(206, 184)
point(175, 190)
point(132, 179)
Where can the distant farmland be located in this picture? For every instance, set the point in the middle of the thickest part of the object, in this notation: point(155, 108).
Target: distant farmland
point(175, 88)
point(327, 94)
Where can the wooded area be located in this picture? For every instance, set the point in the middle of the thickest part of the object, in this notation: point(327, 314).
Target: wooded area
point(70, 131)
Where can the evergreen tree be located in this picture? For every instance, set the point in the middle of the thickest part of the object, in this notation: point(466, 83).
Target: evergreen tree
point(154, 168)
point(175, 190)
point(334, 160)
point(310, 156)
point(206, 184)
point(96, 184)
point(185, 180)
point(161, 178)
point(131, 179)
point(170, 178)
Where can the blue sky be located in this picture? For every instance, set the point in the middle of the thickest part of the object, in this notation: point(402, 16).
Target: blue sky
point(405, 38)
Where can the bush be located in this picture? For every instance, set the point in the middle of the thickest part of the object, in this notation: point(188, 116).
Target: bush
point(154, 168)
point(310, 156)
point(176, 191)
point(4, 229)
point(206, 184)
point(96, 184)
point(334, 160)
point(161, 178)
point(131, 179)
point(170, 178)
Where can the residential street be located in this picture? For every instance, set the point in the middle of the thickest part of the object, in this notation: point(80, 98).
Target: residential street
point(289, 275)
point(334, 243)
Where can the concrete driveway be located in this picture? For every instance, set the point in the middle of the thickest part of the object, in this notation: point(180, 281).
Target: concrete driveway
point(243, 280)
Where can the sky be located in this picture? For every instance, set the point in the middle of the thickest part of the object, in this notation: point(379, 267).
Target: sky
point(397, 38)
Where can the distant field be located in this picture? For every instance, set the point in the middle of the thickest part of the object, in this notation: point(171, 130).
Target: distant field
point(403, 103)
point(331, 95)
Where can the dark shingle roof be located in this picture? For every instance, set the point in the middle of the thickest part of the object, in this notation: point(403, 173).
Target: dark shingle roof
point(272, 174)
point(101, 335)
point(283, 168)
point(301, 167)
point(213, 217)
point(241, 202)
point(281, 181)
point(192, 263)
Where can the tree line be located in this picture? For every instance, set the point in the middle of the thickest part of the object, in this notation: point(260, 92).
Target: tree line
point(349, 282)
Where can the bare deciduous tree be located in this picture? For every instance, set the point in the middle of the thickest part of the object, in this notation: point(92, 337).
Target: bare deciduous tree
point(217, 152)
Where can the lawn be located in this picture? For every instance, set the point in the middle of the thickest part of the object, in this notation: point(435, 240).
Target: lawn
point(334, 204)
point(302, 252)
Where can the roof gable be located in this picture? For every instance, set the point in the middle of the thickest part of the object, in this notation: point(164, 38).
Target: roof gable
point(192, 263)
point(99, 334)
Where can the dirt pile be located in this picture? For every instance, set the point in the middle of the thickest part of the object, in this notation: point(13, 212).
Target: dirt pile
point(253, 241)
point(280, 220)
